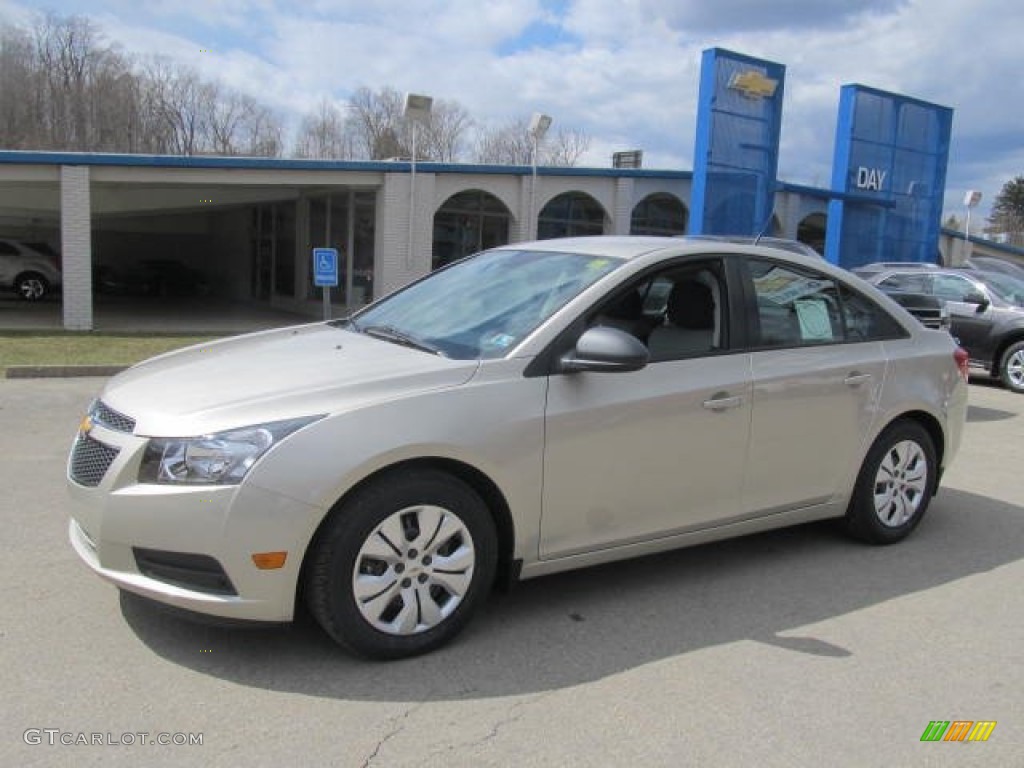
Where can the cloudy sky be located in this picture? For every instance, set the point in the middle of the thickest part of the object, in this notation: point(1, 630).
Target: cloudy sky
point(623, 71)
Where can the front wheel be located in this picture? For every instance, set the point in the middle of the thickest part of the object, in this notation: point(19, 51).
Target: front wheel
point(400, 567)
point(1011, 368)
point(895, 485)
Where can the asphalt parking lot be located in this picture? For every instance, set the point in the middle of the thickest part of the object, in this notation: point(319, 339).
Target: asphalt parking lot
point(793, 648)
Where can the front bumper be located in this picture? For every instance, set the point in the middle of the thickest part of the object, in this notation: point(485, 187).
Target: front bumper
point(171, 543)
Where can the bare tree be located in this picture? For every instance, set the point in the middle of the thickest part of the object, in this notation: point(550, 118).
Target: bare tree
point(67, 51)
point(20, 121)
point(512, 144)
point(113, 104)
point(323, 135)
point(444, 133)
point(262, 133)
point(376, 124)
point(508, 144)
point(228, 113)
point(379, 130)
point(567, 148)
point(63, 87)
point(180, 105)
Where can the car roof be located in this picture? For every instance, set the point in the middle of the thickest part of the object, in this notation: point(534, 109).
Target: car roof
point(633, 246)
point(780, 243)
point(884, 266)
point(613, 246)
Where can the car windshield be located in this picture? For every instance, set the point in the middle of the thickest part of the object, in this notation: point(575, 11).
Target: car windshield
point(482, 306)
point(1009, 289)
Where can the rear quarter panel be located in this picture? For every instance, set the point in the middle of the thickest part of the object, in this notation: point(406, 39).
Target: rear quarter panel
point(923, 377)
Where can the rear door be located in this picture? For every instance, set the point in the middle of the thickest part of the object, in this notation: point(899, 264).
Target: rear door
point(818, 366)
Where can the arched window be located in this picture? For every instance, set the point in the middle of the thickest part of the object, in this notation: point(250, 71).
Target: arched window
point(466, 223)
point(570, 214)
point(659, 214)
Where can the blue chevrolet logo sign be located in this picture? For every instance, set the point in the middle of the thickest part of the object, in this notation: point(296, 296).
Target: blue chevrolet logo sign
point(325, 266)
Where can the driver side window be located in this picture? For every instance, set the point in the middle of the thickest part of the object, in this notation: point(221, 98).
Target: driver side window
point(678, 313)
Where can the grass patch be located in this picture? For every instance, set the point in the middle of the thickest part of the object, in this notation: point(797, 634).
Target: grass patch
point(60, 348)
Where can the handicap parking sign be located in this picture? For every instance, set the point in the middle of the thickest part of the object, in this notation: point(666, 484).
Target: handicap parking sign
point(325, 266)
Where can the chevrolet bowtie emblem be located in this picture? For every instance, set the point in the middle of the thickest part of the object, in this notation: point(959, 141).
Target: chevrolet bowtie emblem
point(753, 84)
point(85, 425)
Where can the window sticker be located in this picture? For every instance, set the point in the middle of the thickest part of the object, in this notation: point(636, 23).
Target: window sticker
point(815, 324)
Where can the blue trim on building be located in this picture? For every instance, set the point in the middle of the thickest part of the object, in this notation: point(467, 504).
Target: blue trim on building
point(18, 157)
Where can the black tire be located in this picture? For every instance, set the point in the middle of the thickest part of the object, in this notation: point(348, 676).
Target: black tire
point(907, 447)
point(31, 286)
point(1011, 368)
point(411, 585)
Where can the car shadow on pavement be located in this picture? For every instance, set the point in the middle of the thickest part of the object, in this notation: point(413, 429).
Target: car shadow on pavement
point(977, 413)
point(568, 629)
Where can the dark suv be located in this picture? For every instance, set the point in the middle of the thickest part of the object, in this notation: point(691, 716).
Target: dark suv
point(987, 317)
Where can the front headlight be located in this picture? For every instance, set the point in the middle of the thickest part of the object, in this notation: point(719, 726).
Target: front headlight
point(223, 458)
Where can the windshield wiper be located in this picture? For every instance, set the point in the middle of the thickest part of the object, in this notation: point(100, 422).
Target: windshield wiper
point(392, 334)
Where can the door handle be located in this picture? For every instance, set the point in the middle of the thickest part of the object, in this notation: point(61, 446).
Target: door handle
point(855, 379)
point(722, 402)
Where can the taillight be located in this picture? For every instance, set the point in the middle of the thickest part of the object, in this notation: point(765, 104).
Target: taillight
point(961, 357)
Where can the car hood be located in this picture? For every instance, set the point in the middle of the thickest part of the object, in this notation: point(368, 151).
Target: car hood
point(273, 375)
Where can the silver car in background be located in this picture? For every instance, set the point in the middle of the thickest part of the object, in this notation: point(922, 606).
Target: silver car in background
point(30, 270)
point(531, 409)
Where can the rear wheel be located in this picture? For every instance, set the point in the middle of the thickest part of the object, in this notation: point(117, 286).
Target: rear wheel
point(31, 286)
point(894, 486)
point(1011, 368)
point(401, 566)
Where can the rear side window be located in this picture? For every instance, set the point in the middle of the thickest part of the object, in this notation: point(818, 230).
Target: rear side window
point(798, 307)
point(865, 320)
point(911, 283)
point(953, 287)
point(6, 249)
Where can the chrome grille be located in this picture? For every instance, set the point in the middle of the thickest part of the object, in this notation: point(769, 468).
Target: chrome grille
point(90, 460)
point(108, 417)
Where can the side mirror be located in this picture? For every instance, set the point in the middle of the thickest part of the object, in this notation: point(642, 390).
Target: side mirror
point(602, 348)
point(977, 297)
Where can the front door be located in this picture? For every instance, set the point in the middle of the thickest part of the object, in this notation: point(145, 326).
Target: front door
point(635, 456)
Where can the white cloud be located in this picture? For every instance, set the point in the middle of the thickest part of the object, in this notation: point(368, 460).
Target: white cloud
point(624, 71)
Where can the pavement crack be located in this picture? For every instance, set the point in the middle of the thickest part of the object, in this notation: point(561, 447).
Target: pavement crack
point(512, 716)
point(397, 723)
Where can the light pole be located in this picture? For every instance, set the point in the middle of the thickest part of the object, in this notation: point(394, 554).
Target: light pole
point(539, 125)
point(417, 111)
point(971, 200)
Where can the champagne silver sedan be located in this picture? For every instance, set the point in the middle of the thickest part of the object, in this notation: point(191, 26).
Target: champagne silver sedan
point(531, 409)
